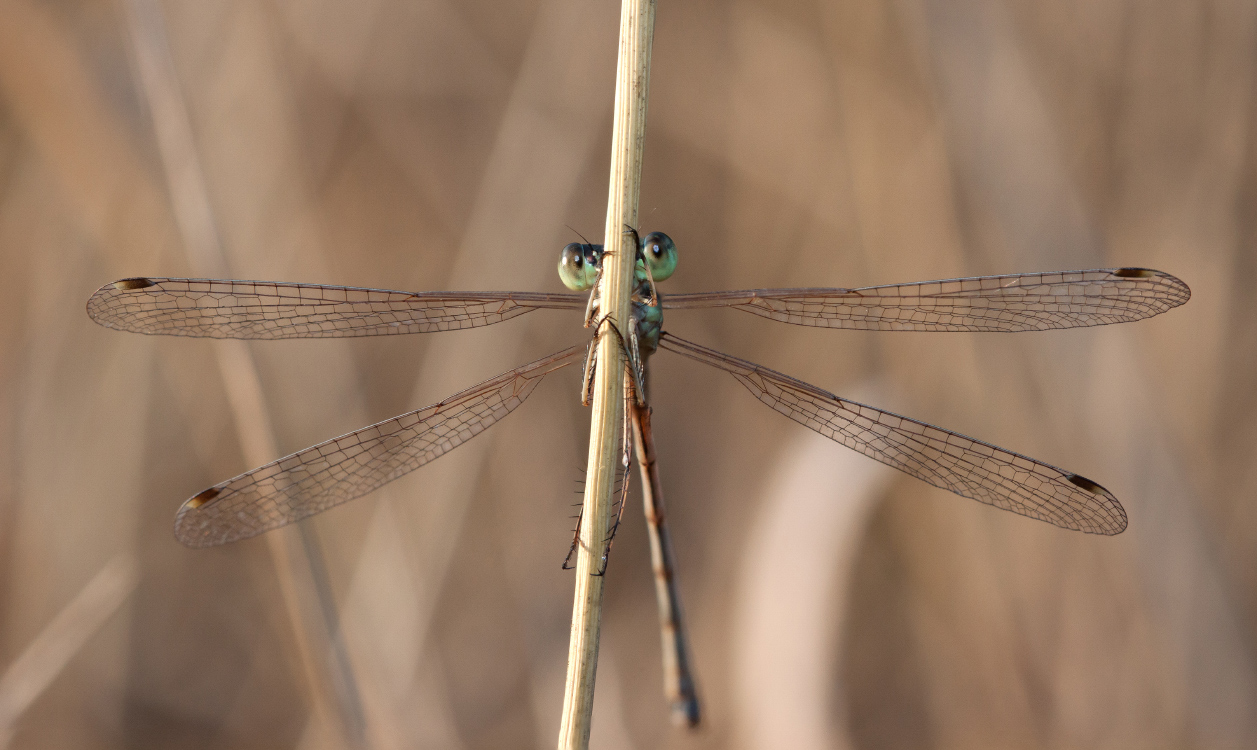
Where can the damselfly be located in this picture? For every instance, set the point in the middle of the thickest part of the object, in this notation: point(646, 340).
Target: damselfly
point(317, 478)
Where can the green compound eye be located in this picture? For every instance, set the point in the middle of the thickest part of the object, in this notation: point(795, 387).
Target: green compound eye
point(578, 267)
point(660, 254)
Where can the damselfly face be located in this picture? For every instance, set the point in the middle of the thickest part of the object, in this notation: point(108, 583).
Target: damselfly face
point(579, 264)
point(659, 254)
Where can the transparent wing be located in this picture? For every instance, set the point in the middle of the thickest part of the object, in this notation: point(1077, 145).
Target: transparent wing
point(1017, 302)
point(224, 309)
point(315, 479)
point(967, 467)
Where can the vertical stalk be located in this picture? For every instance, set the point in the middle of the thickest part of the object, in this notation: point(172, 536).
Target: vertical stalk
point(637, 22)
point(300, 568)
point(678, 680)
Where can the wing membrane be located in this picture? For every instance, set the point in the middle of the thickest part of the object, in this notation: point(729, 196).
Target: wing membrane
point(218, 308)
point(330, 473)
point(945, 459)
point(1017, 302)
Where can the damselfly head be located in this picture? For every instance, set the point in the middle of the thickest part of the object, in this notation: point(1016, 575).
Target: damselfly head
point(578, 266)
point(659, 253)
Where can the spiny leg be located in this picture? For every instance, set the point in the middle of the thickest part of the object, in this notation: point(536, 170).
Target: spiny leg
point(633, 355)
point(587, 383)
point(580, 515)
point(637, 367)
point(587, 380)
point(626, 460)
point(567, 561)
point(641, 255)
point(591, 307)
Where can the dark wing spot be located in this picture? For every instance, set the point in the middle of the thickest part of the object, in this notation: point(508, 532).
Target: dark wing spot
point(203, 498)
point(1134, 273)
point(1086, 484)
point(136, 283)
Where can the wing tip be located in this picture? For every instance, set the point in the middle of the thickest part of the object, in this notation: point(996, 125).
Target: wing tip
point(187, 532)
point(1080, 481)
point(1115, 522)
point(202, 498)
point(131, 284)
point(1180, 286)
point(97, 305)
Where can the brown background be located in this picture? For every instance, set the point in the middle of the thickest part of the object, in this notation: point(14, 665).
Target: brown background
point(449, 144)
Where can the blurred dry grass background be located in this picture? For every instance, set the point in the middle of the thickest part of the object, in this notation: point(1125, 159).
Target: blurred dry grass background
point(441, 145)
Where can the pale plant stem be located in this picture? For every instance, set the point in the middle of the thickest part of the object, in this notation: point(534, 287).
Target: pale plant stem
point(299, 567)
point(637, 21)
point(45, 656)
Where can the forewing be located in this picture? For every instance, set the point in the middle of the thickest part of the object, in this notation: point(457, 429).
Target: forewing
point(219, 308)
point(315, 479)
point(1017, 302)
point(967, 467)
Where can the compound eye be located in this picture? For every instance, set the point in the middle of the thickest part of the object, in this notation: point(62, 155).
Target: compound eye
point(577, 270)
point(660, 253)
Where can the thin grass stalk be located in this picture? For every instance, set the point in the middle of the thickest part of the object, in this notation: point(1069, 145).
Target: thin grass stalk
point(47, 654)
point(637, 22)
point(300, 568)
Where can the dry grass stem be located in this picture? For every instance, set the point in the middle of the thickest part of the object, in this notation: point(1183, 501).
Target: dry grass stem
point(44, 658)
point(301, 571)
point(637, 21)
